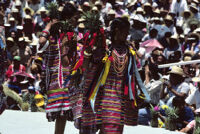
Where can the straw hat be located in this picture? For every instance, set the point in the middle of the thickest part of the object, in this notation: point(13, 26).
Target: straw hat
point(187, 58)
point(177, 70)
point(147, 4)
point(194, 35)
point(27, 40)
point(42, 9)
point(21, 39)
point(169, 18)
point(195, 1)
point(60, 8)
point(175, 36)
point(81, 25)
point(87, 4)
point(34, 43)
point(72, 2)
point(12, 19)
point(157, 11)
point(131, 3)
point(139, 10)
point(27, 17)
point(19, 27)
point(197, 30)
point(28, 8)
point(10, 39)
point(6, 25)
point(97, 3)
point(187, 11)
point(196, 79)
point(81, 20)
point(139, 18)
point(94, 8)
point(18, 3)
point(15, 10)
point(80, 10)
point(111, 12)
point(193, 6)
point(172, 14)
point(182, 36)
point(189, 53)
point(39, 100)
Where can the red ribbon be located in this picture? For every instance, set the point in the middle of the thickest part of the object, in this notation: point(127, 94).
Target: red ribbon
point(86, 36)
point(126, 90)
point(62, 35)
point(92, 42)
point(103, 37)
point(47, 19)
point(70, 35)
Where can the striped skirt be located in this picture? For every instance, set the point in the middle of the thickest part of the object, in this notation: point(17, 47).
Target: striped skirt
point(58, 96)
point(112, 106)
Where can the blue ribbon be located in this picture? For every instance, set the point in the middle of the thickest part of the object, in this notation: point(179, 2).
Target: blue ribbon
point(1, 43)
point(129, 79)
point(140, 83)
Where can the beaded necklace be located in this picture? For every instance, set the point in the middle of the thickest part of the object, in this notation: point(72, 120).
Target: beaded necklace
point(119, 60)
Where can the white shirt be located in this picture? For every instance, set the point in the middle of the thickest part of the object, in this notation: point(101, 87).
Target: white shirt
point(178, 8)
point(194, 98)
point(181, 88)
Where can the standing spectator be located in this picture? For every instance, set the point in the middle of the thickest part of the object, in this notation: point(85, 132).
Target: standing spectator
point(178, 6)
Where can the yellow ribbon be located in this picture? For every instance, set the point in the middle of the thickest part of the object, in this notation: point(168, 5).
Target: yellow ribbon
point(102, 81)
point(132, 51)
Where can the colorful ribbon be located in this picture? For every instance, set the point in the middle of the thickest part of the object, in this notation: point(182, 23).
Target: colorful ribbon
point(101, 82)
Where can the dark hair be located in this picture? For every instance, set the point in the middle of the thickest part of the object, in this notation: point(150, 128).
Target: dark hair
point(178, 101)
point(68, 12)
point(1, 88)
point(120, 23)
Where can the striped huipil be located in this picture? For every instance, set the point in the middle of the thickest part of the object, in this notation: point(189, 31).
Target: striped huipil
point(111, 106)
point(58, 96)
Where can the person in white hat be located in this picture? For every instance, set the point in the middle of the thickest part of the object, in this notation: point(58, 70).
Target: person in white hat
point(148, 10)
point(175, 86)
point(192, 43)
point(194, 9)
point(9, 46)
point(41, 19)
point(12, 23)
point(28, 26)
point(173, 48)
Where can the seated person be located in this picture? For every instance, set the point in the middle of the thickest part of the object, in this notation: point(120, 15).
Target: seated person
point(175, 87)
point(191, 125)
point(185, 113)
point(144, 115)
